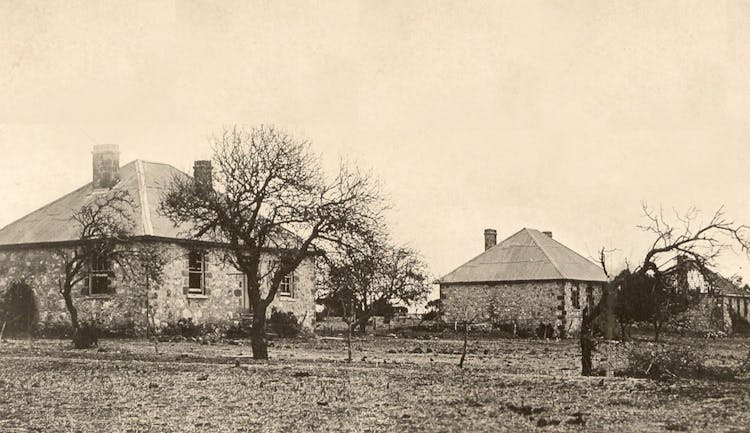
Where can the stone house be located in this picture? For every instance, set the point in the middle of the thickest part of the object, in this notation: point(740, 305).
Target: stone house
point(722, 304)
point(197, 284)
point(527, 281)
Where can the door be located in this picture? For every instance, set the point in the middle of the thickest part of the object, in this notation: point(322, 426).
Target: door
point(241, 285)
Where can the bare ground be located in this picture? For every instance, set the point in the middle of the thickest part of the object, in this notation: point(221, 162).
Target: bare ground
point(509, 385)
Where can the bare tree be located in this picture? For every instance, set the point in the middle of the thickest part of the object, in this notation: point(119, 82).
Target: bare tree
point(105, 238)
point(693, 244)
point(373, 275)
point(269, 195)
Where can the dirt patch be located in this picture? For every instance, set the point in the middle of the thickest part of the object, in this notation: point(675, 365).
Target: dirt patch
point(508, 385)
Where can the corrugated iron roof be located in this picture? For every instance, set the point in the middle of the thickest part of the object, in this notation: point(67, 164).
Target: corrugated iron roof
point(145, 183)
point(528, 255)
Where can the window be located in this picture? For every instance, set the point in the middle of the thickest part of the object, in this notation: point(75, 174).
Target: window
point(196, 273)
point(575, 297)
point(286, 288)
point(99, 273)
point(287, 285)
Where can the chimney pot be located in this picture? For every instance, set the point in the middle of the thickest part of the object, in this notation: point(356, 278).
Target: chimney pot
point(490, 238)
point(203, 174)
point(548, 234)
point(106, 165)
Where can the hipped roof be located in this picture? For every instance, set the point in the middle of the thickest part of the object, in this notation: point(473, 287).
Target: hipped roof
point(144, 181)
point(528, 255)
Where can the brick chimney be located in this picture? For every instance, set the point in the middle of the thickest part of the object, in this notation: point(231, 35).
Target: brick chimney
point(490, 238)
point(548, 234)
point(203, 175)
point(106, 164)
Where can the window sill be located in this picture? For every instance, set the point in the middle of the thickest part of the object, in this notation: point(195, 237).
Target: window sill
point(196, 296)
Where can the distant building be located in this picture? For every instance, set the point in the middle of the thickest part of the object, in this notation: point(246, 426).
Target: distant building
point(722, 304)
point(197, 283)
point(529, 280)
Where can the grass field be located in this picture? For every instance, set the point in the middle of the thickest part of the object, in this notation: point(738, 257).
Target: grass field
point(394, 385)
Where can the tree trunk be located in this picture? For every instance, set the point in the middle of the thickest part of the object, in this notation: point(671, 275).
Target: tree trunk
point(609, 313)
point(585, 356)
point(71, 309)
point(466, 341)
point(258, 340)
point(586, 349)
point(657, 327)
point(349, 343)
point(587, 343)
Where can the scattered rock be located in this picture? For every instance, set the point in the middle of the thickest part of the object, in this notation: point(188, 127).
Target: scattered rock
point(544, 422)
point(322, 403)
point(525, 409)
point(301, 374)
point(203, 378)
point(576, 419)
point(153, 385)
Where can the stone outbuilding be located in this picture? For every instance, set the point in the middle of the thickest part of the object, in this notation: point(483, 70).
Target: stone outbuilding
point(529, 281)
point(722, 304)
point(197, 283)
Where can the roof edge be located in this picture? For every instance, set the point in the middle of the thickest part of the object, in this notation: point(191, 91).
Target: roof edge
point(145, 238)
point(551, 280)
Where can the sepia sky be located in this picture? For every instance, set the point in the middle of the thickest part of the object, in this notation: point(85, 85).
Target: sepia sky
point(556, 115)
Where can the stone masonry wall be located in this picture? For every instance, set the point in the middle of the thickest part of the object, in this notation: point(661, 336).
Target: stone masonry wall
point(126, 308)
point(222, 303)
point(709, 314)
point(528, 304)
point(574, 314)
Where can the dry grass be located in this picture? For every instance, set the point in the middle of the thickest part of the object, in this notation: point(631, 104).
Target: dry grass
point(509, 385)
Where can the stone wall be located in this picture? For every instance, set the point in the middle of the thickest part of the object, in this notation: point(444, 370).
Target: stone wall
point(709, 314)
point(122, 310)
point(527, 304)
point(126, 308)
point(574, 313)
point(223, 301)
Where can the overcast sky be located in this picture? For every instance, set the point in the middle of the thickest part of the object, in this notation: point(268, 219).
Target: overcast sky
point(560, 116)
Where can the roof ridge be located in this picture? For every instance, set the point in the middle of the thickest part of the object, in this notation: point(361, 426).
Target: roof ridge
point(533, 234)
point(576, 253)
point(140, 174)
point(479, 255)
